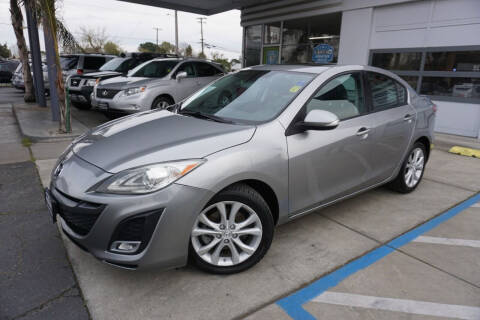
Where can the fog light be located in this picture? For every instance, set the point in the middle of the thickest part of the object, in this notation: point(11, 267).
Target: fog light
point(125, 246)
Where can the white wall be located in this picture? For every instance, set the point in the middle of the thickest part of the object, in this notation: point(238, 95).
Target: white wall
point(355, 36)
point(458, 118)
point(428, 23)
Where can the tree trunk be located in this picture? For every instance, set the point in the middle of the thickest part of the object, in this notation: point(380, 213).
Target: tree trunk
point(50, 27)
point(17, 23)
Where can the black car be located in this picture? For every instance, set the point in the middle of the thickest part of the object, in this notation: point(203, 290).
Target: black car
point(81, 86)
point(7, 67)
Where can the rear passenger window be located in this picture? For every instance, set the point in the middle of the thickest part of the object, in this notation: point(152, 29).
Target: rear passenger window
point(206, 70)
point(402, 94)
point(342, 96)
point(93, 62)
point(384, 90)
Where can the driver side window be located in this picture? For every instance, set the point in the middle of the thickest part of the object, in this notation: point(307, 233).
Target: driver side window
point(342, 96)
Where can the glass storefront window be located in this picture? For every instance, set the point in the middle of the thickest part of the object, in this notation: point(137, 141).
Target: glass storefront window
point(296, 54)
point(397, 60)
point(411, 80)
point(253, 44)
point(451, 87)
point(272, 33)
point(453, 61)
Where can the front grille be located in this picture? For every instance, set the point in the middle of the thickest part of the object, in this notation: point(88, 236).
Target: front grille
point(75, 82)
point(80, 216)
point(106, 93)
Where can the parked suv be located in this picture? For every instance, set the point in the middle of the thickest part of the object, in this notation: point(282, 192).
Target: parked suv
point(155, 84)
point(82, 63)
point(81, 86)
point(7, 67)
point(19, 83)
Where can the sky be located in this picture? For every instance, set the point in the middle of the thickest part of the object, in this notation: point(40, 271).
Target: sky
point(131, 24)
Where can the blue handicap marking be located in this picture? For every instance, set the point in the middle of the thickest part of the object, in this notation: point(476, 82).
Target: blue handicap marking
point(293, 304)
point(322, 53)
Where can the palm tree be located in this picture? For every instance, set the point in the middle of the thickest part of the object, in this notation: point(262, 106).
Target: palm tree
point(17, 23)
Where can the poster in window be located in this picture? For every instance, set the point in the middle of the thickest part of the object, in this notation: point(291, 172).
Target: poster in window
point(322, 53)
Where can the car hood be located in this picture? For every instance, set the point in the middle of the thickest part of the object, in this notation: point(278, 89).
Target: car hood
point(125, 82)
point(156, 136)
point(101, 74)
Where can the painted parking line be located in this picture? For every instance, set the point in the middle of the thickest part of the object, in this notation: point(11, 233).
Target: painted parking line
point(448, 241)
point(400, 305)
point(293, 304)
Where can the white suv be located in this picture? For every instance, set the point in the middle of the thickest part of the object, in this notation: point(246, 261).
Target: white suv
point(157, 83)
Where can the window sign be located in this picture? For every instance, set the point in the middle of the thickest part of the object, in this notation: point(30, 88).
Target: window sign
point(322, 53)
point(270, 55)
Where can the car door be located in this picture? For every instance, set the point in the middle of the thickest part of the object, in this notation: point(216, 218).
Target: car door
point(206, 73)
point(326, 165)
point(393, 123)
point(186, 86)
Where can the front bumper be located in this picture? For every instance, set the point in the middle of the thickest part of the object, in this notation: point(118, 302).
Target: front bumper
point(123, 104)
point(82, 95)
point(177, 207)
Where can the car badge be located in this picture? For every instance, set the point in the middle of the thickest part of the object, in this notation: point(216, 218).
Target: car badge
point(104, 92)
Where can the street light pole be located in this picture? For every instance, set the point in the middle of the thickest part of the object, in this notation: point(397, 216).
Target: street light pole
point(156, 28)
point(176, 33)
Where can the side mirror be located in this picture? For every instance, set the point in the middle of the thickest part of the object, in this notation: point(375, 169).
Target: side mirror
point(319, 120)
point(181, 75)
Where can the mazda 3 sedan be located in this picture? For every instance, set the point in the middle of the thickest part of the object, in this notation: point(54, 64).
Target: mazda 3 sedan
point(209, 179)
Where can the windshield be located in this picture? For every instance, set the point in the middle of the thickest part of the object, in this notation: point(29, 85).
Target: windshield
point(116, 64)
point(154, 69)
point(248, 96)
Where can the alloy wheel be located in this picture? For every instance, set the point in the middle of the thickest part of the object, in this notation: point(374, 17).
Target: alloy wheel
point(226, 233)
point(414, 167)
point(162, 104)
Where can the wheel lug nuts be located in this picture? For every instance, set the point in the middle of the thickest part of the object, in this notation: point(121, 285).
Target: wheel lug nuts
point(219, 236)
point(232, 226)
point(234, 235)
point(226, 241)
point(222, 226)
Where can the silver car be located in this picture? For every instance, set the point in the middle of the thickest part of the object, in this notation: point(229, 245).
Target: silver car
point(211, 178)
point(154, 84)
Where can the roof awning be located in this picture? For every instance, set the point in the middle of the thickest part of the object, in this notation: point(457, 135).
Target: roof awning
point(205, 7)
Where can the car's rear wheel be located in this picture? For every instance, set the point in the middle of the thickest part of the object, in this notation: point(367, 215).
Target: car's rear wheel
point(162, 102)
point(233, 232)
point(412, 169)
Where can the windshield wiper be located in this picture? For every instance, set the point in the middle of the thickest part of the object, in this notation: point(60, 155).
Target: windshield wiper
point(198, 114)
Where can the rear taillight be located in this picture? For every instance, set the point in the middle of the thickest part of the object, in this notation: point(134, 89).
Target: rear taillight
point(80, 71)
point(434, 108)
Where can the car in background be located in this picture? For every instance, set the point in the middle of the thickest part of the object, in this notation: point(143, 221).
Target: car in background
point(211, 180)
point(82, 63)
point(18, 81)
point(81, 86)
point(7, 68)
point(155, 84)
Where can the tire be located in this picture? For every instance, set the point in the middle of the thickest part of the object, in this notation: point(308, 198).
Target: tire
point(414, 163)
point(162, 102)
point(82, 106)
point(255, 215)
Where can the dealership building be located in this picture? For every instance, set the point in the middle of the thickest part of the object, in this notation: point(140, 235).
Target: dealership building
point(432, 44)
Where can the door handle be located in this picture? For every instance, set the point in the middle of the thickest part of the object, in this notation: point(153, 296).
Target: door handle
point(408, 117)
point(363, 131)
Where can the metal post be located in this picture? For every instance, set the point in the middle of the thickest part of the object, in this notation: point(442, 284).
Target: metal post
point(52, 74)
point(176, 33)
point(36, 56)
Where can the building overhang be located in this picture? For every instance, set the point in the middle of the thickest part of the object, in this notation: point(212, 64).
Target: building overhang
point(205, 7)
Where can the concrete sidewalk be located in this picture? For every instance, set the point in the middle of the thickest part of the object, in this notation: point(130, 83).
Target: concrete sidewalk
point(35, 123)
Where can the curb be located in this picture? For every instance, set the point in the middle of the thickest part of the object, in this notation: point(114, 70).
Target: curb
point(33, 138)
point(467, 152)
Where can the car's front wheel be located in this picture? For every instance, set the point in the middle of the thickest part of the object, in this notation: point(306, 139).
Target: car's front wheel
point(233, 232)
point(412, 169)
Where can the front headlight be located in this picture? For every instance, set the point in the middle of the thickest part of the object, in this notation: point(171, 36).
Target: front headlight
point(132, 91)
point(91, 82)
point(147, 179)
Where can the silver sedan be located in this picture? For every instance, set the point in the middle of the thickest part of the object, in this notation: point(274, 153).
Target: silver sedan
point(212, 177)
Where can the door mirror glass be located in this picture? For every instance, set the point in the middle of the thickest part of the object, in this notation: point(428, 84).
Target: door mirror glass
point(181, 75)
point(319, 120)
